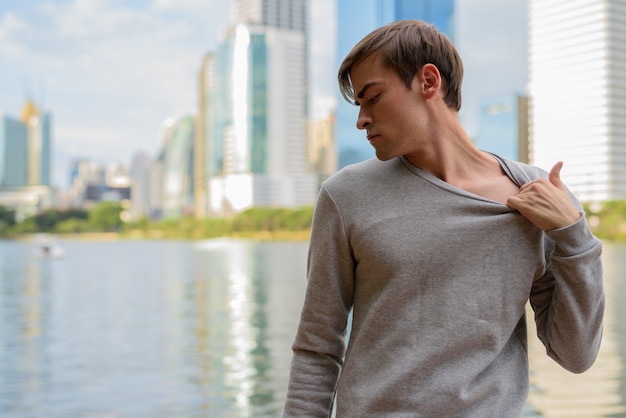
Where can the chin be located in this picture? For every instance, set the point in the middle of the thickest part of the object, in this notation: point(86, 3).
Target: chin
point(384, 156)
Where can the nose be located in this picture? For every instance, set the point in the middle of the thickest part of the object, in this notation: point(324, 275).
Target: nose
point(364, 119)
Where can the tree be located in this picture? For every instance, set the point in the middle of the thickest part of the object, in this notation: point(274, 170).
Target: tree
point(7, 215)
point(106, 217)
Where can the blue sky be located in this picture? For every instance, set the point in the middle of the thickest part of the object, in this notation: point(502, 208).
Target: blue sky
point(111, 71)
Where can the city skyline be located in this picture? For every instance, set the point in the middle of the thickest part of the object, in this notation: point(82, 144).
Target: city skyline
point(111, 72)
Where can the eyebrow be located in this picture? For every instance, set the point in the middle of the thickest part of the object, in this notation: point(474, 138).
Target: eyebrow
point(364, 89)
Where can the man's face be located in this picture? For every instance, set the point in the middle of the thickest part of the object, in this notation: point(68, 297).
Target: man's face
point(390, 113)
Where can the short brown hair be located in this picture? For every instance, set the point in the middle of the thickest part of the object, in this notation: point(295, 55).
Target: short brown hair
point(405, 46)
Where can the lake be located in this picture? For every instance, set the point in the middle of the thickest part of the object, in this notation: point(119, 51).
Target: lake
point(203, 329)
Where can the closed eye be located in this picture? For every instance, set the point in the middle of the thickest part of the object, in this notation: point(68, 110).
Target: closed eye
point(370, 101)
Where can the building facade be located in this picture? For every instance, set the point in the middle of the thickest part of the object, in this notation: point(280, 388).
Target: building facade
point(94, 183)
point(25, 148)
point(38, 144)
point(503, 127)
point(25, 184)
point(254, 111)
point(352, 145)
point(13, 152)
point(577, 88)
point(178, 183)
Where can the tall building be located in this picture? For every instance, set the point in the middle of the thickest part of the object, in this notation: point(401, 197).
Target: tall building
point(13, 152)
point(38, 144)
point(178, 190)
point(284, 14)
point(93, 183)
point(503, 127)
point(25, 148)
point(254, 111)
point(577, 85)
point(352, 145)
point(139, 177)
point(201, 156)
point(322, 150)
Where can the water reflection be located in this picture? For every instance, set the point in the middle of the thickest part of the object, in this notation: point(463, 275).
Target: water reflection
point(181, 329)
point(250, 326)
point(148, 329)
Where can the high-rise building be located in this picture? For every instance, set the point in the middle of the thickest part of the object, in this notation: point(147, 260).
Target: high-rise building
point(139, 177)
point(254, 111)
point(322, 150)
point(38, 144)
point(25, 148)
point(178, 190)
point(503, 127)
point(201, 153)
point(93, 183)
point(284, 14)
point(352, 145)
point(577, 85)
point(13, 152)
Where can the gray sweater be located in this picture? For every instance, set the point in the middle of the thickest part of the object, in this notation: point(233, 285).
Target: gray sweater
point(437, 280)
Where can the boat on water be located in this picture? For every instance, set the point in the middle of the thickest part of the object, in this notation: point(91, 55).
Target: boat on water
point(48, 247)
point(51, 251)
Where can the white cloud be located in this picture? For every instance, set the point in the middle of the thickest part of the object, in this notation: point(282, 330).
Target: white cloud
point(111, 71)
point(108, 72)
point(322, 33)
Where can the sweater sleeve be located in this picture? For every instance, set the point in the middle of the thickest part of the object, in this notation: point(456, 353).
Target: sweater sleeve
point(568, 300)
point(319, 346)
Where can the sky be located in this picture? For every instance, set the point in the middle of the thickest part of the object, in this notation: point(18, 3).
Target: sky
point(112, 71)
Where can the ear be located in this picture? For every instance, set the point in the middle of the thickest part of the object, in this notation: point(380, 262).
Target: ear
point(430, 80)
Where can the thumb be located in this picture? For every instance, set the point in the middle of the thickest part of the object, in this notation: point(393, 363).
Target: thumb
point(555, 175)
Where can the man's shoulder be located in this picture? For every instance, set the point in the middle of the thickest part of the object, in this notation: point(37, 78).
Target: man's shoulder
point(520, 171)
point(356, 170)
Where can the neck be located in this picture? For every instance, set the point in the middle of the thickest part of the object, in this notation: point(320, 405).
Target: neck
point(449, 153)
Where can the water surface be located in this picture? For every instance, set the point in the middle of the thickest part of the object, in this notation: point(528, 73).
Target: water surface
point(203, 329)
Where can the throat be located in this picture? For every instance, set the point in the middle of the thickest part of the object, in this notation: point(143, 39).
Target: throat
point(497, 188)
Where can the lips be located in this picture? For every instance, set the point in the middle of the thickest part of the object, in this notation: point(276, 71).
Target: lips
point(371, 136)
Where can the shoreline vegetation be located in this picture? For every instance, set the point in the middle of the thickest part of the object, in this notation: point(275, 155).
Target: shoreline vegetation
point(104, 223)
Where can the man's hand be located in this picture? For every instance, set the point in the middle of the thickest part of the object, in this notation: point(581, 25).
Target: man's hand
point(545, 202)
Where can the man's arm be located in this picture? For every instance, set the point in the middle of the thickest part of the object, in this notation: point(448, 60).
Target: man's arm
point(319, 346)
point(569, 300)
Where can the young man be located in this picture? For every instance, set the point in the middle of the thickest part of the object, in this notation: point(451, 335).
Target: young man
point(435, 247)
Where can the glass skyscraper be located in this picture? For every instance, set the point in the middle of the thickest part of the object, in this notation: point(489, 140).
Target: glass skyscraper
point(355, 19)
point(254, 117)
point(13, 152)
point(25, 148)
point(178, 169)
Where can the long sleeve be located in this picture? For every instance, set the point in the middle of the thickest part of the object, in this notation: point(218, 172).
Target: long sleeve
point(569, 300)
point(320, 341)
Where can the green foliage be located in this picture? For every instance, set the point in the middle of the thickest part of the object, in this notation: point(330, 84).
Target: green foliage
point(7, 216)
point(7, 221)
point(608, 220)
point(106, 217)
point(47, 220)
point(72, 226)
point(27, 226)
point(273, 219)
point(269, 222)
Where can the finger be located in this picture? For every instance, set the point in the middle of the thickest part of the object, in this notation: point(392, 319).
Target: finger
point(555, 175)
point(513, 202)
